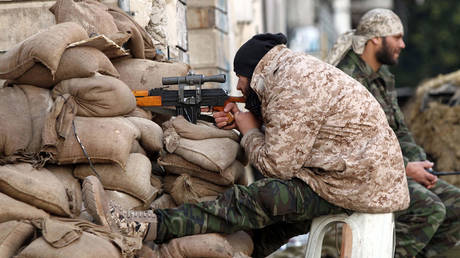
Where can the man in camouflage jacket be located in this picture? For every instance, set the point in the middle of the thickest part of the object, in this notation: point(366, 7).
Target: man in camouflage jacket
point(431, 225)
point(326, 148)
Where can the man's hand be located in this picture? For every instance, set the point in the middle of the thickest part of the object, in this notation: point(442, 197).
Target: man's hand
point(222, 118)
point(416, 170)
point(243, 121)
point(246, 121)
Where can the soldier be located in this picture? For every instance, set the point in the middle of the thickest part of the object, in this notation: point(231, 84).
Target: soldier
point(431, 224)
point(326, 148)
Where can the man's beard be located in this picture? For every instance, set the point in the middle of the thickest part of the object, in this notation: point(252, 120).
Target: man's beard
point(253, 103)
point(385, 54)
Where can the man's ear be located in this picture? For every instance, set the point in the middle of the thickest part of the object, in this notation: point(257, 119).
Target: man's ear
point(376, 40)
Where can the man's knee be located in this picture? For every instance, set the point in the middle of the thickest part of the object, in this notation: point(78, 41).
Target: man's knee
point(278, 197)
point(425, 206)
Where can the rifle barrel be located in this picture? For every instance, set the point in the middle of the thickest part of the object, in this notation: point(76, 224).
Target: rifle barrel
point(193, 79)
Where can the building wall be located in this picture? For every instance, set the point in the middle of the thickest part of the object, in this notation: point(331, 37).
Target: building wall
point(20, 20)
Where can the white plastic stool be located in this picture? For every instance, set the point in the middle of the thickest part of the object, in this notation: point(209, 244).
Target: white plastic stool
point(372, 234)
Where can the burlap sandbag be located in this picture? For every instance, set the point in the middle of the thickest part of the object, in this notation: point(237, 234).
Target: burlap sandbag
point(104, 44)
point(142, 113)
point(40, 103)
point(12, 235)
point(143, 74)
point(106, 140)
point(37, 187)
point(151, 134)
point(45, 47)
point(98, 96)
point(177, 165)
point(126, 201)
point(76, 62)
point(135, 44)
point(214, 154)
point(88, 246)
point(199, 131)
point(16, 126)
point(137, 148)
point(134, 180)
point(165, 201)
point(187, 189)
point(156, 181)
point(16, 210)
point(149, 47)
point(93, 16)
point(71, 184)
point(238, 244)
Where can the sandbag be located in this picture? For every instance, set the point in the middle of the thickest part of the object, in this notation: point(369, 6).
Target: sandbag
point(209, 245)
point(45, 47)
point(151, 134)
point(93, 16)
point(72, 186)
point(149, 47)
point(187, 189)
point(165, 201)
point(88, 246)
point(156, 181)
point(199, 131)
point(16, 210)
point(37, 187)
point(143, 74)
point(134, 180)
point(40, 103)
point(214, 154)
point(177, 165)
point(142, 113)
point(135, 44)
point(137, 148)
point(126, 201)
point(104, 44)
point(98, 96)
point(76, 62)
point(106, 140)
point(16, 125)
point(12, 235)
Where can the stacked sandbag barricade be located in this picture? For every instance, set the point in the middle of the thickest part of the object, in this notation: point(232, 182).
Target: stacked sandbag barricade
point(199, 162)
point(68, 111)
point(434, 119)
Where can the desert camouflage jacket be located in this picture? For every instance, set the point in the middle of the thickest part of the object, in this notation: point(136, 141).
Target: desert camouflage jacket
point(325, 128)
point(382, 85)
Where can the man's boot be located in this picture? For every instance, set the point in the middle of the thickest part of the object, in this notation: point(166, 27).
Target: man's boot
point(108, 213)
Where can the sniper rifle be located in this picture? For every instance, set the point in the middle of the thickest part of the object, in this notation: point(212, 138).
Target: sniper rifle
point(188, 99)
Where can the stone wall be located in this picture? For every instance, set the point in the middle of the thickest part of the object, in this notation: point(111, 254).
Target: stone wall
point(20, 20)
point(207, 23)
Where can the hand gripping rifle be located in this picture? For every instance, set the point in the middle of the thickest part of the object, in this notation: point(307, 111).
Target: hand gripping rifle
point(187, 102)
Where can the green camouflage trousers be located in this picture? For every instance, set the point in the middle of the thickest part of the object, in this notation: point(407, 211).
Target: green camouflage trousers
point(271, 210)
point(431, 224)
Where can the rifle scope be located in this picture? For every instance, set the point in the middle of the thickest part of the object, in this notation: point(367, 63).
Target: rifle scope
point(193, 79)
